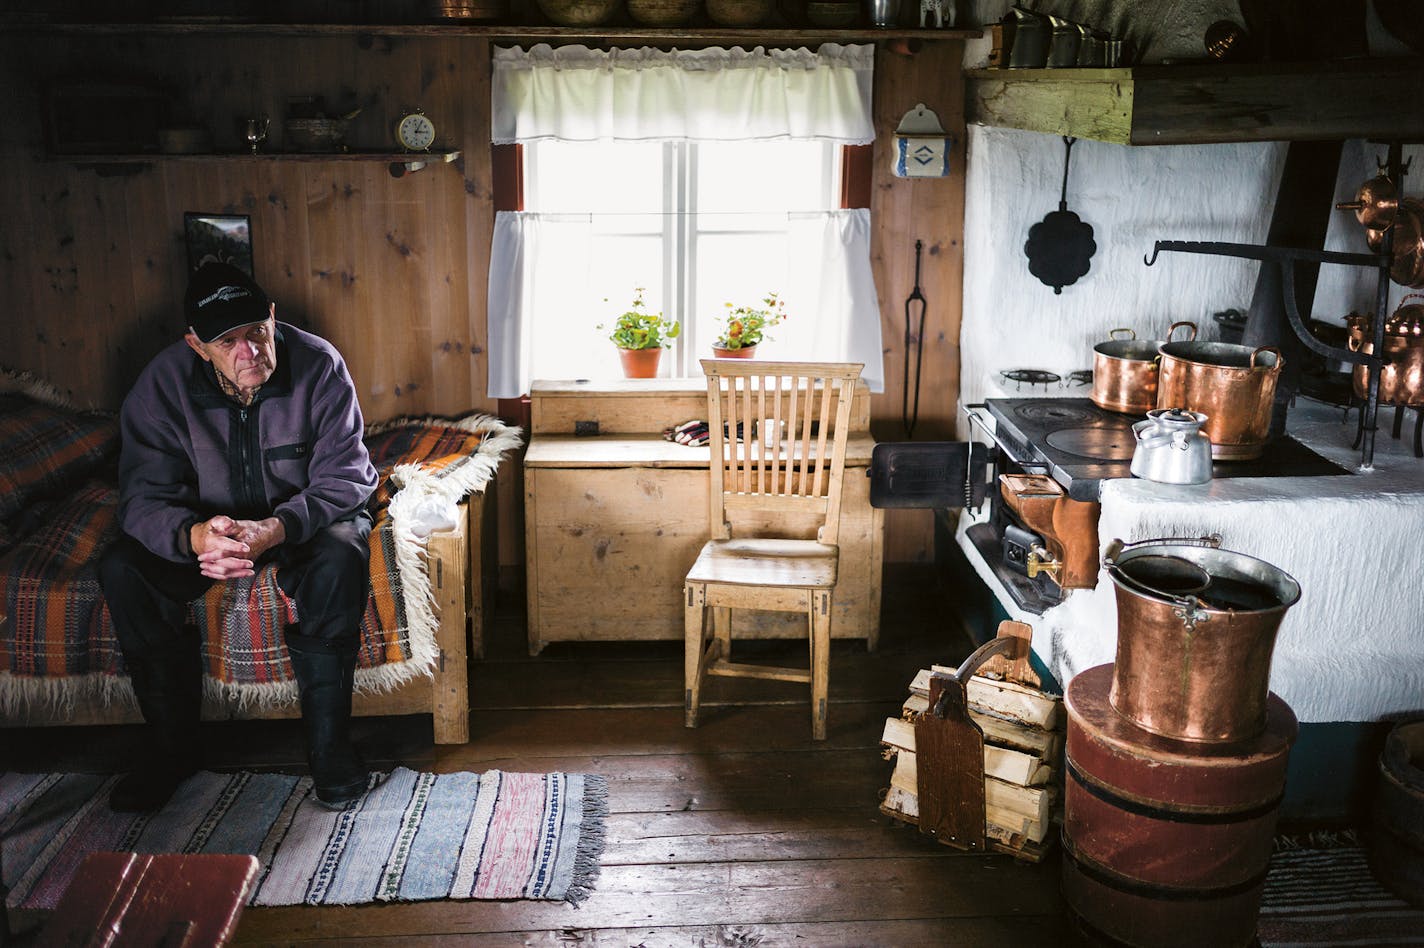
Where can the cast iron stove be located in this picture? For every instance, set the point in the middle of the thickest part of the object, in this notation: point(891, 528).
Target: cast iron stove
point(1081, 445)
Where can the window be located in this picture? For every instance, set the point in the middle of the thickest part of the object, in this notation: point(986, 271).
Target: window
point(705, 177)
point(697, 225)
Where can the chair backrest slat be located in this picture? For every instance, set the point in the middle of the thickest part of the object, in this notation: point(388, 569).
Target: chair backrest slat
point(753, 466)
point(776, 438)
point(820, 440)
point(759, 436)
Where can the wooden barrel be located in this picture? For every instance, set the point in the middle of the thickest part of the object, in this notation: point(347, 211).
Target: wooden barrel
point(1397, 841)
point(1166, 842)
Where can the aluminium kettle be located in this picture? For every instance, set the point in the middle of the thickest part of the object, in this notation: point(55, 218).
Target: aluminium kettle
point(1171, 447)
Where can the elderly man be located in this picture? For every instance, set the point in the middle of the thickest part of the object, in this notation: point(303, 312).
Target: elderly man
point(241, 445)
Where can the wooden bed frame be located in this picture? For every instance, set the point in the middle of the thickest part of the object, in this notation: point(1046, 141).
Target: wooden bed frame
point(461, 581)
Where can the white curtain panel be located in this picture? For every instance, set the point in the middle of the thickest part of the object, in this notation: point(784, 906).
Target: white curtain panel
point(545, 281)
point(574, 93)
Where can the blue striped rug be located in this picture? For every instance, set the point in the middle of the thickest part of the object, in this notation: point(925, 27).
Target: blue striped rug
point(414, 836)
point(1326, 895)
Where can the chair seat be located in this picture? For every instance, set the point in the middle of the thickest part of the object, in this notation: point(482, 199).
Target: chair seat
point(795, 564)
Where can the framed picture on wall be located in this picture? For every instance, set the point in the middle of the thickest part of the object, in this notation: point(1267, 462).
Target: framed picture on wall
point(223, 237)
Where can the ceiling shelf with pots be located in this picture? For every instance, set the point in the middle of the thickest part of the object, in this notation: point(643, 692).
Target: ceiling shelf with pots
point(1206, 103)
point(764, 35)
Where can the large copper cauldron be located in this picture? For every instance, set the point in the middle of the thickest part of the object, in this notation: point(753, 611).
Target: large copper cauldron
point(1125, 371)
point(1234, 386)
point(1196, 628)
point(1402, 379)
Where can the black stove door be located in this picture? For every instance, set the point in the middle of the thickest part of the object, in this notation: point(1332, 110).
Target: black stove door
point(934, 474)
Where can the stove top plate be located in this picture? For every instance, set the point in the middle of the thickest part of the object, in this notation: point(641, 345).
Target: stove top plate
point(1050, 414)
point(1098, 443)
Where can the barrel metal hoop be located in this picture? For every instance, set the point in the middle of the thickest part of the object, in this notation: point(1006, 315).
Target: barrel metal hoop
point(1138, 808)
point(1165, 893)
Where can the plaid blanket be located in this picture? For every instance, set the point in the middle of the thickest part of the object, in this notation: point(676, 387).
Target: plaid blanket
point(59, 626)
point(47, 450)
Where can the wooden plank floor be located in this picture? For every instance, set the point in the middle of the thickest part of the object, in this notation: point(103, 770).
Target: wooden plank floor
point(742, 832)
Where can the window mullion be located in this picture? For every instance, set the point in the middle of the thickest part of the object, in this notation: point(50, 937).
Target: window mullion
point(672, 285)
point(687, 206)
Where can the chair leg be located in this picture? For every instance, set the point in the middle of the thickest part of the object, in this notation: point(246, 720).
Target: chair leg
point(820, 661)
point(722, 630)
point(694, 622)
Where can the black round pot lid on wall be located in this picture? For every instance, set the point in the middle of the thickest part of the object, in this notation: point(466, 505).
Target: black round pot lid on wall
point(1060, 246)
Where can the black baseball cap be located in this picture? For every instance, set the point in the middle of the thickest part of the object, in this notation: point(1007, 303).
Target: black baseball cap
point(222, 298)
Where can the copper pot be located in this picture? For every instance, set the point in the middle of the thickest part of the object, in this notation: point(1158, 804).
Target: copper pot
point(1375, 203)
point(1234, 386)
point(1125, 371)
point(1407, 267)
point(1402, 377)
point(1194, 659)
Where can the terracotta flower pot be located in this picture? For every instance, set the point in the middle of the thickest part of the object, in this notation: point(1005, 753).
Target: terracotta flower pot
point(745, 352)
point(640, 363)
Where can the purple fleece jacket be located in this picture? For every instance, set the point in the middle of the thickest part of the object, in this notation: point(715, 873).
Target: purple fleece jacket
point(189, 452)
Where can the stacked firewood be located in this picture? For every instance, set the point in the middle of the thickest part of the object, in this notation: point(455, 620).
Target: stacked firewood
point(1022, 728)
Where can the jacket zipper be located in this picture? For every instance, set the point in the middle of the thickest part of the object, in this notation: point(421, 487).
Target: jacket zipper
point(251, 497)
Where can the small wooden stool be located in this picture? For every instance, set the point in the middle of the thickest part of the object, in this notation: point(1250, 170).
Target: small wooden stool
point(133, 899)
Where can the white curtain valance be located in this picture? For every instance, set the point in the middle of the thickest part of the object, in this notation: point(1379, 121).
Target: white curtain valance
point(574, 93)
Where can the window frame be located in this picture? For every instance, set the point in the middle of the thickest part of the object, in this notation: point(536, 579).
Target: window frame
point(509, 169)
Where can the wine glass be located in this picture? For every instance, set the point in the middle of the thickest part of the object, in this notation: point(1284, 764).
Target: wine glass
point(256, 132)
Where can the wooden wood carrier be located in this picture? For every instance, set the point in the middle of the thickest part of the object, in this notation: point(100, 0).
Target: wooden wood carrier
point(985, 774)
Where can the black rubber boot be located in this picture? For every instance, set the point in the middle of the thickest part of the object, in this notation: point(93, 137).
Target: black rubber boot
point(325, 680)
point(169, 688)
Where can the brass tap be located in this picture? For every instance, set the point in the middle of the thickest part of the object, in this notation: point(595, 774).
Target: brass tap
point(1041, 561)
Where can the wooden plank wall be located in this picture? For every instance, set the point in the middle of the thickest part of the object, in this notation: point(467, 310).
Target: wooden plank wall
point(902, 211)
point(393, 271)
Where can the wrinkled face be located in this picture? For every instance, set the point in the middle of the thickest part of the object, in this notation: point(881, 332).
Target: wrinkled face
point(246, 357)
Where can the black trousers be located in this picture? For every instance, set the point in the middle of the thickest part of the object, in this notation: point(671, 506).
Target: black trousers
point(327, 577)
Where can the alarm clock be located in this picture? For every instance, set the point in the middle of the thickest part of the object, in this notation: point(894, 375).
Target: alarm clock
point(415, 131)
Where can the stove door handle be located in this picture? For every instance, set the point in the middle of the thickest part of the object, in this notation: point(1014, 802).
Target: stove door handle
point(978, 419)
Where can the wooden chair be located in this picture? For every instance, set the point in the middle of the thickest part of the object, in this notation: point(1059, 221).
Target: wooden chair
point(778, 433)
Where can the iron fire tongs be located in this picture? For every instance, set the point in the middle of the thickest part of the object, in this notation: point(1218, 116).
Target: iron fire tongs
point(917, 339)
point(1286, 258)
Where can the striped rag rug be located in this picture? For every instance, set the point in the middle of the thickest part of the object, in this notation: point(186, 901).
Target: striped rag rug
point(414, 836)
point(1326, 895)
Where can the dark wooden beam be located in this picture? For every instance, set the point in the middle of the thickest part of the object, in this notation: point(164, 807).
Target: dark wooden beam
point(1201, 104)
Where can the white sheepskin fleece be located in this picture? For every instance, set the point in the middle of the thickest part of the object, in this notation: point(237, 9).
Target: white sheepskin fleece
point(1352, 649)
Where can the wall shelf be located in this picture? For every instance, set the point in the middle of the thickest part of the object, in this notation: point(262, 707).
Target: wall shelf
point(1208, 103)
point(770, 35)
point(398, 163)
point(432, 157)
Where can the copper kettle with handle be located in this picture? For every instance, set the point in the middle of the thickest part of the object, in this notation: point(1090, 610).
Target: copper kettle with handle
point(1402, 376)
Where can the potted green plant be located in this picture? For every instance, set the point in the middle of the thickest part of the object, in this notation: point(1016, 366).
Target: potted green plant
point(745, 326)
point(641, 337)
